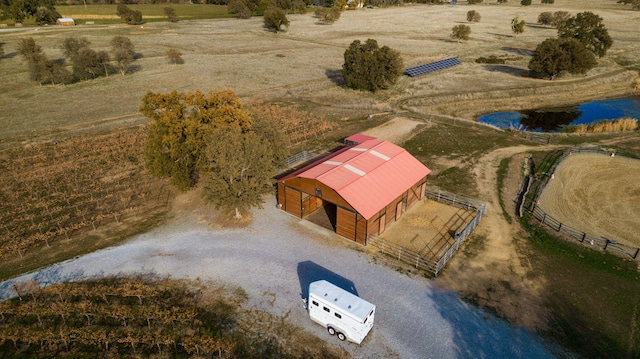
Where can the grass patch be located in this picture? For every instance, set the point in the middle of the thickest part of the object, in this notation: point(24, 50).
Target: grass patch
point(502, 173)
point(458, 144)
point(594, 296)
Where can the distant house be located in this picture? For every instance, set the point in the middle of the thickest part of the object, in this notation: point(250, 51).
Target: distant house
point(362, 188)
point(65, 21)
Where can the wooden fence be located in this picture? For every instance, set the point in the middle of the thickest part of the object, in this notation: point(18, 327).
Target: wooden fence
point(542, 138)
point(431, 265)
point(606, 244)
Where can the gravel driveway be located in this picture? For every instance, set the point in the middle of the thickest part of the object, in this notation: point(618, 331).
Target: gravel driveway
point(278, 255)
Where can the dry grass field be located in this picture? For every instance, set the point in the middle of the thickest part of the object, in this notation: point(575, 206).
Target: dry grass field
point(301, 68)
point(302, 64)
point(597, 194)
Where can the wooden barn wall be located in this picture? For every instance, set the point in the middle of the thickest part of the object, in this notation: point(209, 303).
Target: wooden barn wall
point(292, 201)
point(346, 223)
point(416, 192)
point(296, 195)
point(361, 229)
point(388, 213)
point(309, 186)
point(309, 204)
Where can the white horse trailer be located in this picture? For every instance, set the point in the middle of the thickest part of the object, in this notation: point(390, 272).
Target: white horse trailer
point(342, 313)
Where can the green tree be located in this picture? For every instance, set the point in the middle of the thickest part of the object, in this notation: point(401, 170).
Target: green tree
point(86, 63)
point(547, 1)
point(42, 69)
point(44, 11)
point(525, 2)
point(554, 56)
point(472, 2)
point(460, 32)
point(587, 28)
point(559, 18)
point(175, 56)
point(170, 13)
point(328, 15)
point(182, 125)
point(123, 52)
point(129, 15)
point(242, 8)
point(517, 26)
point(89, 64)
point(71, 46)
point(240, 165)
point(275, 19)
point(370, 67)
point(46, 14)
point(28, 48)
point(473, 16)
point(545, 18)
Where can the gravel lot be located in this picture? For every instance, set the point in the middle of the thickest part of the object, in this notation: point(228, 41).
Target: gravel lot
point(277, 255)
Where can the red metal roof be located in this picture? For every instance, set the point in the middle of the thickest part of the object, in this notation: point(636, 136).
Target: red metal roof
point(369, 175)
point(359, 138)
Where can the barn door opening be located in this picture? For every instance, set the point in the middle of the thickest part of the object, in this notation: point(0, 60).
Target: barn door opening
point(325, 216)
point(332, 213)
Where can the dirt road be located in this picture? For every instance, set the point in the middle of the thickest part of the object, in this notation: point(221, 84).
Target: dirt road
point(492, 271)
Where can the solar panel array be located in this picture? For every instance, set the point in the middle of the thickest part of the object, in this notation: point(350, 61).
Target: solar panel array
point(431, 67)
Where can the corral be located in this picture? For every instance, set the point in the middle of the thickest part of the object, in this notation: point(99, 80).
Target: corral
point(597, 194)
point(429, 228)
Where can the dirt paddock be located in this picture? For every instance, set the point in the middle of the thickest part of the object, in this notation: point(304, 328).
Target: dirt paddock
point(597, 194)
point(428, 228)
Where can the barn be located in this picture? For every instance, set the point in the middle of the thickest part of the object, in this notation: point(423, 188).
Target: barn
point(362, 187)
point(65, 21)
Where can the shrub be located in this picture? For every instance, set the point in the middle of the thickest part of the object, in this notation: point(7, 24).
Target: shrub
point(328, 15)
point(473, 16)
point(275, 19)
point(129, 16)
point(460, 32)
point(490, 60)
point(175, 56)
point(545, 18)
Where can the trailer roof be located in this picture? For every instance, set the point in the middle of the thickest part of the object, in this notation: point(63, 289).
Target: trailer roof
point(339, 298)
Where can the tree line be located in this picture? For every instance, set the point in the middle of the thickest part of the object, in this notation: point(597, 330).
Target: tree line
point(86, 63)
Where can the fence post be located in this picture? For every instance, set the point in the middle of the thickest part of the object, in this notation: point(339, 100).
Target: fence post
point(559, 227)
point(636, 255)
point(584, 235)
point(544, 216)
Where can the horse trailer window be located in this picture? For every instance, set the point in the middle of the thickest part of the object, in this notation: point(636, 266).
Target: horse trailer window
point(338, 315)
point(314, 303)
point(326, 309)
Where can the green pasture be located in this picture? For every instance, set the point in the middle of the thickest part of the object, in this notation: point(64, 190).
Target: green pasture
point(106, 14)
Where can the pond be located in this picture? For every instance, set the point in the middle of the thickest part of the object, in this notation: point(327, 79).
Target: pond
point(554, 119)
